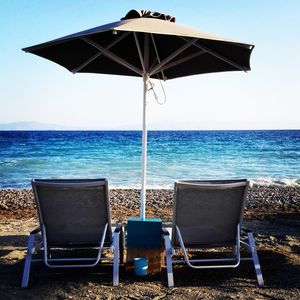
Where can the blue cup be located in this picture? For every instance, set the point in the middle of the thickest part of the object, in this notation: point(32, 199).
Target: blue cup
point(141, 266)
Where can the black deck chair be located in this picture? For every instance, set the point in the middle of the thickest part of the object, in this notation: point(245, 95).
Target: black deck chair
point(74, 217)
point(208, 214)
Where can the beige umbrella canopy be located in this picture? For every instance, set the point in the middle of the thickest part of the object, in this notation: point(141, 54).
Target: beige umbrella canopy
point(148, 45)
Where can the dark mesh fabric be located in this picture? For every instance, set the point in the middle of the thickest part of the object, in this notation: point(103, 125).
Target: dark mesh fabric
point(208, 213)
point(74, 213)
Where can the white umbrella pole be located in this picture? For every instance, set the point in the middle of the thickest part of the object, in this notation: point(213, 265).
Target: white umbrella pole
point(144, 149)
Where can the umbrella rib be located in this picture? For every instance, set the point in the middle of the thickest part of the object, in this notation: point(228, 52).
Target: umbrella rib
point(174, 54)
point(84, 64)
point(154, 62)
point(180, 61)
point(113, 56)
point(221, 57)
point(157, 56)
point(139, 51)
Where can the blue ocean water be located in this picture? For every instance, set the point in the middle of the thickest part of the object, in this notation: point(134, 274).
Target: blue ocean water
point(271, 156)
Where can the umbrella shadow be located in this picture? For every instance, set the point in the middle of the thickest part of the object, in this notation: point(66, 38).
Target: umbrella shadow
point(13, 240)
point(12, 254)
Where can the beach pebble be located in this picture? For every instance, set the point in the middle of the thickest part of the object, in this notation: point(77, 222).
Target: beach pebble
point(259, 198)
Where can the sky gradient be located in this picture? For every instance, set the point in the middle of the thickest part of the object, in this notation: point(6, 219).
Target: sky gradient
point(267, 97)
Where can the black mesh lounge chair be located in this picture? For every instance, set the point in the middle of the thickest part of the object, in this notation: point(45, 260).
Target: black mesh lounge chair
point(74, 217)
point(208, 214)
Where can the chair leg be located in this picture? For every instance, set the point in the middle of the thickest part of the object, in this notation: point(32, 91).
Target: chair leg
point(27, 264)
point(168, 250)
point(116, 241)
point(122, 244)
point(260, 280)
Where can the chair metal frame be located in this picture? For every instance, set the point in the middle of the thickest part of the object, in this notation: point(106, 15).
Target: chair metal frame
point(231, 262)
point(34, 245)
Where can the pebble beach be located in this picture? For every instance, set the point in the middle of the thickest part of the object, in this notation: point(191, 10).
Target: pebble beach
point(266, 199)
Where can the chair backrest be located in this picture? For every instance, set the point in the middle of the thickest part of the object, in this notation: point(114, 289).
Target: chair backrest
point(208, 212)
point(73, 211)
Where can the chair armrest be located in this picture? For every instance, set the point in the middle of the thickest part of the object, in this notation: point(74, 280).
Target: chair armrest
point(118, 228)
point(120, 231)
point(164, 231)
point(36, 230)
point(246, 230)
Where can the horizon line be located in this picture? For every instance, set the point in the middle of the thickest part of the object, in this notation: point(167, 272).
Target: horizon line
point(140, 130)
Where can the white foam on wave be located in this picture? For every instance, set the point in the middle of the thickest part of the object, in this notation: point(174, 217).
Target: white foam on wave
point(12, 162)
point(265, 181)
point(138, 187)
point(269, 181)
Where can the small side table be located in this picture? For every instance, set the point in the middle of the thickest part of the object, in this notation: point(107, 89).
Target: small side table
point(144, 239)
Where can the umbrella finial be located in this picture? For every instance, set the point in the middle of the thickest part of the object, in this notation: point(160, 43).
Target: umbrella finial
point(133, 14)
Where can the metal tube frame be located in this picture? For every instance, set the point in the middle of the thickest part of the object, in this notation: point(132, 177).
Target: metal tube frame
point(114, 42)
point(48, 260)
point(169, 250)
point(32, 249)
point(217, 55)
point(235, 259)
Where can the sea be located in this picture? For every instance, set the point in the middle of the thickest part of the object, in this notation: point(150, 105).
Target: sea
point(270, 157)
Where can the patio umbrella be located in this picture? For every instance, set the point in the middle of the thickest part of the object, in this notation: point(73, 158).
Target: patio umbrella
point(149, 45)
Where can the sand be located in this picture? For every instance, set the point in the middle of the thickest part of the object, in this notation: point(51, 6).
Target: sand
point(271, 212)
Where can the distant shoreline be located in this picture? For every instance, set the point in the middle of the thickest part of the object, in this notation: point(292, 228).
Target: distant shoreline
point(150, 130)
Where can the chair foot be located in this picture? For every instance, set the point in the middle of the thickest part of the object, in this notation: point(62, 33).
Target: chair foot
point(116, 241)
point(27, 264)
point(168, 250)
point(259, 277)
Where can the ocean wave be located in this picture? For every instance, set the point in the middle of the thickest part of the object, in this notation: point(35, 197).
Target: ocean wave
point(138, 186)
point(268, 181)
point(264, 181)
point(9, 162)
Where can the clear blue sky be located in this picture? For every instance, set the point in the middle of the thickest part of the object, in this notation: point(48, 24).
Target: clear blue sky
point(268, 97)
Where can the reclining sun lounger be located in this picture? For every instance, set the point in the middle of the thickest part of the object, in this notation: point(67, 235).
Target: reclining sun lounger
point(74, 216)
point(208, 214)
